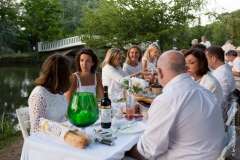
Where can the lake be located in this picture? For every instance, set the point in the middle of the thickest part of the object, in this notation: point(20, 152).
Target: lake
point(16, 84)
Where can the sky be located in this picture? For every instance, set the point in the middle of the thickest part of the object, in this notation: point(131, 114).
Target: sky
point(221, 6)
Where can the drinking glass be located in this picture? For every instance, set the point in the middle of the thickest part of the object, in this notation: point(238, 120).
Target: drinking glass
point(82, 109)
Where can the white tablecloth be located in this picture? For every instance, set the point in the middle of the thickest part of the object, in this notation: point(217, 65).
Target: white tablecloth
point(42, 146)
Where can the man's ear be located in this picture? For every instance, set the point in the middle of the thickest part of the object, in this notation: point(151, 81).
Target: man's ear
point(160, 73)
point(214, 58)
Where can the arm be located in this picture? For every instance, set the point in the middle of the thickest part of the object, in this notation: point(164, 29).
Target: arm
point(99, 86)
point(142, 72)
point(72, 88)
point(135, 154)
point(237, 74)
point(144, 63)
point(37, 109)
point(155, 139)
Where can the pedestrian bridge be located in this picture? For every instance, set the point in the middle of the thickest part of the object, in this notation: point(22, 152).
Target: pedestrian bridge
point(60, 44)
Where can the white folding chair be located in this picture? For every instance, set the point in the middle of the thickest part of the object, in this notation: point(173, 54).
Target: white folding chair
point(24, 120)
point(231, 141)
point(231, 112)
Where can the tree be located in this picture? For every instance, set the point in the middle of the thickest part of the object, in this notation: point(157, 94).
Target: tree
point(131, 22)
point(40, 18)
point(8, 16)
point(72, 13)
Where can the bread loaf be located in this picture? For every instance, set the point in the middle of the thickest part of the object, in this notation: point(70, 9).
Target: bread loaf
point(64, 133)
point(75, 140)
point(143, 99)
point(80, 134)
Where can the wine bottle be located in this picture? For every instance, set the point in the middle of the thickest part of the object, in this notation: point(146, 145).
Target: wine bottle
point(106, 110)
point(130, 100)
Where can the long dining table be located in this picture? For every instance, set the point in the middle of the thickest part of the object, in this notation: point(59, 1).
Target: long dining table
point(41, 146)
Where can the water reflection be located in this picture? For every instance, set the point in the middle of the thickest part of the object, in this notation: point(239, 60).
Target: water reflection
point(16, 84)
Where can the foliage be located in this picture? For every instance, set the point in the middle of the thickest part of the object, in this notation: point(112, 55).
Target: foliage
point(40, 19)
point(118, 23)
point(8, 16)
point(72, 13)
point(6, 125)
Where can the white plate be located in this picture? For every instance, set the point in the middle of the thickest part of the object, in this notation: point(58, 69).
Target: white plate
point(137, 127)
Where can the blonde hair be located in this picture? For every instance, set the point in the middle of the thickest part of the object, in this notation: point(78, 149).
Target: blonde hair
point(139, 50)
point(111, 55)
point(150, 48)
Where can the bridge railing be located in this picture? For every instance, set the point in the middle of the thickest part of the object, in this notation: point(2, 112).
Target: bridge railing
point(60, 44)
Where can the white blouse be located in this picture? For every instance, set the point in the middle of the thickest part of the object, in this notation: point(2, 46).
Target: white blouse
point(151, 65)
point(44, 104)
point(91, 88)
point(132, 70)
point(209, 82)
point(113, 78)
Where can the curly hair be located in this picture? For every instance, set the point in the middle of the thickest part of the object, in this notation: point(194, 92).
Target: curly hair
point(95, 59)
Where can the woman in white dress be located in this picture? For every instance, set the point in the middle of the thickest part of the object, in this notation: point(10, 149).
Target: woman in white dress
point(86, 79)
point(47, 99)
point(197, 68)
point(149, 59)
point(112, 73)
point(133, 61)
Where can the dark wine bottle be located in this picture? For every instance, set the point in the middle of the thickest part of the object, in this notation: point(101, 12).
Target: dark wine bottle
point(106, 110)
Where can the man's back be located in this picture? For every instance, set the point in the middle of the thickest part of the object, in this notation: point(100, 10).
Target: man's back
point(224, 76)
point(185, 122)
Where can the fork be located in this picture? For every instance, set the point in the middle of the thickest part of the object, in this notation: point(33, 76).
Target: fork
point(128, 125)
point(118, 127)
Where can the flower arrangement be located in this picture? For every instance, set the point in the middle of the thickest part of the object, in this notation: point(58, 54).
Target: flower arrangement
point(138, 84)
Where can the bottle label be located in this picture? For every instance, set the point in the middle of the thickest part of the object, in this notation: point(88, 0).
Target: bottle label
point(130, 102)
point(105, 115)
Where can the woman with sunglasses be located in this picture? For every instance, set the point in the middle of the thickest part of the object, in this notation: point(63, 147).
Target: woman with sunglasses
point(197, 68)
point(86, 79)
point(133, 61)
point(112, 73)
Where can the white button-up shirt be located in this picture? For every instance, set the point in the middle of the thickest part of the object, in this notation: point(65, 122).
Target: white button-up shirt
point(207, 44)
point(113, 78)
point(224, 76)
point(236, 67)
point(185, 122)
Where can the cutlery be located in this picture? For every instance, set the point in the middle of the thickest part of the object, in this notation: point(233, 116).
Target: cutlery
point(127, 126)
point(118, 127)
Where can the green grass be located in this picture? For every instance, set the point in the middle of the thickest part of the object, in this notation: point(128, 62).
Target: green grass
point(6, 141)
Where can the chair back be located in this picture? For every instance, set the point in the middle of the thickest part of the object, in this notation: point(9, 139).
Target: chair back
point(24, 120)
point(227, 151)
point(231, 112)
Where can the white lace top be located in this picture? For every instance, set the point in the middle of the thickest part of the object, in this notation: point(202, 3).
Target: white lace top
point(44, 104)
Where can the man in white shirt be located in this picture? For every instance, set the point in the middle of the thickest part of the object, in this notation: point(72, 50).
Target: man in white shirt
point(205, 42)
point(221, 71)
point(233, 57)
point(185, 121)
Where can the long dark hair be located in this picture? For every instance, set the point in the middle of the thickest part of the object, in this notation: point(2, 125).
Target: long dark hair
point(55, 74)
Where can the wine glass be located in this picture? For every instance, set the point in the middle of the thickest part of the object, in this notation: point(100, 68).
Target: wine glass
point(82, 110)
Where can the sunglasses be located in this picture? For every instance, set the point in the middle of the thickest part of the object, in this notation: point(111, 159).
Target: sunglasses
point(137, 117)
point(86, 50)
